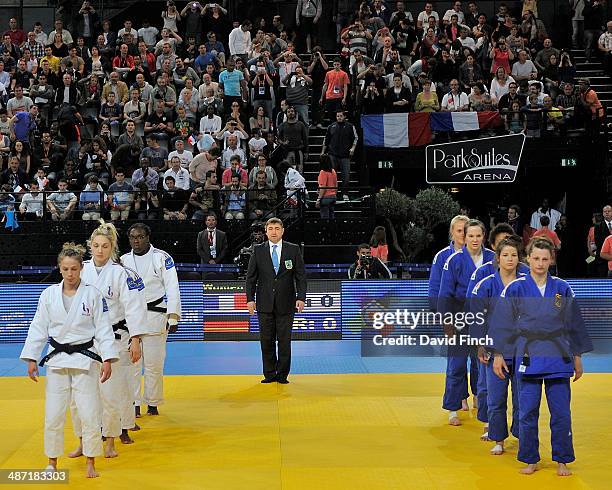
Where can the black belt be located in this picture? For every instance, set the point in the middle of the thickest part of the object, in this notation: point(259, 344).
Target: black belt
point(152, 306)
point(71, 349)
point(119, 326)
point(550, 336)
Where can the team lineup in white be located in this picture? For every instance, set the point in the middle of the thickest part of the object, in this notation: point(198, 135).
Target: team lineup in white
point(109, 319)
point(102, 314)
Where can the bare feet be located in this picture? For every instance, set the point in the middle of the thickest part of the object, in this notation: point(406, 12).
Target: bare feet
point(453, 419)
point(474, 402)
point(563, 470)
point(485, 434)
point(498, 449)
point(530, 469)
point(125, 437)
point(91, 469)
point(109, 448)
point(464, 405)
point(52, 466)
point(136, 427)
point(78, 451)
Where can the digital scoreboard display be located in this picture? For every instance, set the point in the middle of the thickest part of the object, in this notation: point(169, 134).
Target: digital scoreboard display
point(226, 314)
point(216, 310)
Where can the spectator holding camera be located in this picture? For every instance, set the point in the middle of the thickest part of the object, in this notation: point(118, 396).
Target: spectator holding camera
point(368, 267)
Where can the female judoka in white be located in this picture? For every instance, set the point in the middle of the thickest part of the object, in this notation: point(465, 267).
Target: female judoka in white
point(123, 291)
point(71, 315)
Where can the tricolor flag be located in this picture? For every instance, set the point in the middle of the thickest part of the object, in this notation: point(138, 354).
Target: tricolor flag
point(229, 323)
point(415, 128)
point(464, 121)
point(396, 130)
point(224, 303)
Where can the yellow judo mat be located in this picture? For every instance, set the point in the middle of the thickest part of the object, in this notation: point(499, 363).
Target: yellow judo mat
point(347, 431)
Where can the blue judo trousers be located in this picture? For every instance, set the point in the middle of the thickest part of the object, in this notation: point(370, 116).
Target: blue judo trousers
point(492, 391)
point(543, 332)
point(456, 275)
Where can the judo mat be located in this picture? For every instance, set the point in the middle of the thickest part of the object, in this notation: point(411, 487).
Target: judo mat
point(345, 422)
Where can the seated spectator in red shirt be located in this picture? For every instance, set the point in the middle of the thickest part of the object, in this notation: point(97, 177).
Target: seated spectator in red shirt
point(235, 169)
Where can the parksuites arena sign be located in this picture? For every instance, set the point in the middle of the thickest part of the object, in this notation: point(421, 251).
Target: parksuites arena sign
point(485, 160)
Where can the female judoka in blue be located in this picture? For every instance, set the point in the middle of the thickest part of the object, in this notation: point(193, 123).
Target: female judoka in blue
point(484, 297)
point(451, 299)
point(538, 322)
point(497, 234)
point(456, 233)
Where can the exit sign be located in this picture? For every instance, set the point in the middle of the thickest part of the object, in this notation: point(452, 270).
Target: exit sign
point(568, 162)
point(385, 164)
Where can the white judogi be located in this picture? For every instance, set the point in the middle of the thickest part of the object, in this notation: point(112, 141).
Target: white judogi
point(123, 291)
point(156, 268)
point(76, 373)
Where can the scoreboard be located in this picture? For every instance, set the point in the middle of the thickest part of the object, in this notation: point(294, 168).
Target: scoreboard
point(226, 315)
point(216, 310)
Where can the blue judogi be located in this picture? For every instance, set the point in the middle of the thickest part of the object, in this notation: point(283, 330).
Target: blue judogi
point(451, 298)
point(489, 268)
point(543, 334)
point(492, 391)
point(435, 274)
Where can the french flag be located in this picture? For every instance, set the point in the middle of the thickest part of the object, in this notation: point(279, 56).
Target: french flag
point(464, 121)
point(415, 128)
point(225, 302)
point(399, 130)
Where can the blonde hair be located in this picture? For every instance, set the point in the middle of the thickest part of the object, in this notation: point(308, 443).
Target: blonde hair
point(454, 221)
point(108, 231)
point(73, 250)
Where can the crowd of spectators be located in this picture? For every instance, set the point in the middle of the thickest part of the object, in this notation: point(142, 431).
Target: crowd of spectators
point(462, 60)
point(194, 111)
point(201, 113)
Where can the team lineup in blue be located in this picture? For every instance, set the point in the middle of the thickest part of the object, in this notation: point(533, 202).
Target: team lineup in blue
point(107, 322)
point(535, 332)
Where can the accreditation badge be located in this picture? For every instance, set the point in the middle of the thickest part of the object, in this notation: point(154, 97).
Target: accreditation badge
point(288, 264)
point(557, 300)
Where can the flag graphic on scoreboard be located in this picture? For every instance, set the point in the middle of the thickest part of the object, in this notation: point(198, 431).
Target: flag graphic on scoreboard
point(225, 323)
point(225, 303)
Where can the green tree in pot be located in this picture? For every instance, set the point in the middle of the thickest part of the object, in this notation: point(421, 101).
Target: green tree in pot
point(415, 219)
point(395, 209)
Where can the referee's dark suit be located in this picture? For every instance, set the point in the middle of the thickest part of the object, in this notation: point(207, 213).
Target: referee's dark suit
point(275, 296)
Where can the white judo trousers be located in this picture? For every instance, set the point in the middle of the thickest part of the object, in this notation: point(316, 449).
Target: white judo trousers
point(71, 376)
point(122, 289)
point(153, 359)
point(62, 385)
point(162, 294)
point(117, 401)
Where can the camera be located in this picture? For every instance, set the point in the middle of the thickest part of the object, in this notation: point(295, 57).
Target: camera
point(258, 234)
point(366, 260)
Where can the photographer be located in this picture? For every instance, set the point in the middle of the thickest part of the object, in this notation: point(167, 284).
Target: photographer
point(298, 84)
point(258, 236)
point(262, 86)
point(368, 267)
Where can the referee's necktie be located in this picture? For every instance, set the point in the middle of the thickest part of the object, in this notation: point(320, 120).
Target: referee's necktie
point(275, 261)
